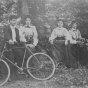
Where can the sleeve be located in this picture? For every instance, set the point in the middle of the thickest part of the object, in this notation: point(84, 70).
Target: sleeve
point(35, 36)
point(79, 35)
point(22, 35)
point(72, 40)
point(67, 35)
point(7, 35)
point(53, 35)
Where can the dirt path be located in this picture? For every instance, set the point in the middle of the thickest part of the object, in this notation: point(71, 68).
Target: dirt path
point(63, 78)
point(22, 81)
point(31, 84)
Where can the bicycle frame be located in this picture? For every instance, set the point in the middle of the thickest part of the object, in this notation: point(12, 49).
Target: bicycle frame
point(25, 47)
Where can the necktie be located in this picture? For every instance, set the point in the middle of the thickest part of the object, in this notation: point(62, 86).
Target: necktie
point(14, 35)
point(75, 32)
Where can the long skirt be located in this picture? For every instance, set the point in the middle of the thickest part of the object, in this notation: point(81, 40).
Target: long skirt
point(62, 53)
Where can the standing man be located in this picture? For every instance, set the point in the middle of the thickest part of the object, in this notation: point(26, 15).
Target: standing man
point(12, 40)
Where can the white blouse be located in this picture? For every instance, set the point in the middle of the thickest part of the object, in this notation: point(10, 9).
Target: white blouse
point(29, 32)
point(60, 32)
point(75, 34)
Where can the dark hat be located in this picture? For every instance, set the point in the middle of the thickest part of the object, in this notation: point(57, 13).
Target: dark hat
point(74, 22)
point(60, 19)
point(27, 16)
point(13, 17)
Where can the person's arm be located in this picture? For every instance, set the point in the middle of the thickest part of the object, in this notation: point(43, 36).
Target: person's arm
point(22, 34)
point(7, 35)
point(72, 41)
point(35, 36)
point(79, 35)
point(53, 36)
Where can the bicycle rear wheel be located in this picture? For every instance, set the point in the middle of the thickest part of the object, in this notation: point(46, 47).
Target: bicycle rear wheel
point(40, 66)
point(4, 72)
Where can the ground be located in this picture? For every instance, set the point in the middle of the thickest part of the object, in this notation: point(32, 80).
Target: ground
point(63, 78)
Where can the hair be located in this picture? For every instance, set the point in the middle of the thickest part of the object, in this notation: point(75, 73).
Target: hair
point(13, 17)
point(60, 19)
point(27, 16)
point(73, 23)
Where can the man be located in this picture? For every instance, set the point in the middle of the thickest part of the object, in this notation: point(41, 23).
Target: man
point(12, 40)
point(11, 33)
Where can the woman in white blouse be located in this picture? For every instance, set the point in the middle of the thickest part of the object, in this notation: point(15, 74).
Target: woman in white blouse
point(30, 33)
point(60, 38)
point(60, 32)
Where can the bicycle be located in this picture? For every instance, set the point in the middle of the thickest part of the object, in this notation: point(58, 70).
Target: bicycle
point(39, 65)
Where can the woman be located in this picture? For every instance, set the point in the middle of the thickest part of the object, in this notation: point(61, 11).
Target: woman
point(77, 51)
point(30, 33)
point(60, 38)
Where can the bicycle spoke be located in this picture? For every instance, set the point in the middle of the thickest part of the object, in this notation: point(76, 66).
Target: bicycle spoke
point(44, 69)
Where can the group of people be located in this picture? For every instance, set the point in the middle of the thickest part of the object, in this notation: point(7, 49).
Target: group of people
point(64, 42)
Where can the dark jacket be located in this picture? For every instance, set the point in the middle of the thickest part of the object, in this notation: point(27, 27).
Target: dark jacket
point(8, 34)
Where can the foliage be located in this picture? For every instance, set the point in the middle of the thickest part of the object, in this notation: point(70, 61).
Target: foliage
point(44, 12)
point(70, 77)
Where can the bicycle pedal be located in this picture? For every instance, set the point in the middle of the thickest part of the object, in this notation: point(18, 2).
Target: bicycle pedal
point(20, 72)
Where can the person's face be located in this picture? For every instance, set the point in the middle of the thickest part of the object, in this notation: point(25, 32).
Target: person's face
point(13, 22)
point(74, 26)
point(28, 21)
point(60, 24)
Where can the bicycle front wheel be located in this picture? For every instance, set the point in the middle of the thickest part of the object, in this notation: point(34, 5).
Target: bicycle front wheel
point(4, 72)
point(40, 66)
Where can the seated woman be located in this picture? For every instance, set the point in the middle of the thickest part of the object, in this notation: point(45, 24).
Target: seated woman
point(77, 51)
point(60, 38)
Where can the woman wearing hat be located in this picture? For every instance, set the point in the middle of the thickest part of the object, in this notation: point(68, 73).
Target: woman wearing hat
point(60, 38)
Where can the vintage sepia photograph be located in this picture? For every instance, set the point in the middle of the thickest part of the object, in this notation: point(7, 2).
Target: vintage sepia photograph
point(43, 43)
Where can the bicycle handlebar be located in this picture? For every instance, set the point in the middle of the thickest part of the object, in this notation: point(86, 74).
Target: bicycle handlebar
point(18, 42)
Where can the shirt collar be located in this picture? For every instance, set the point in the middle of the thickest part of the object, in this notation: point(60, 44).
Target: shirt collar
point(28, 26)
point(12, 27)
point(60, 28)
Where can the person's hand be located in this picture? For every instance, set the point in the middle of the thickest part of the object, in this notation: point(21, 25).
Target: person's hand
point(31, 46)
point(82, 39)
point(66, 42)
point(11, 42)
point(86, 44)
point(80, 43)
point(51, 42)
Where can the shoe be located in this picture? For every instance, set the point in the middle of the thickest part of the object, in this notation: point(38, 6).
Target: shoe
point(20, 71)
point(9, 80)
